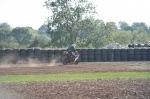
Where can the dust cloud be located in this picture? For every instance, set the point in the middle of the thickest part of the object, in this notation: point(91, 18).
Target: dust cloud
point(11, 61)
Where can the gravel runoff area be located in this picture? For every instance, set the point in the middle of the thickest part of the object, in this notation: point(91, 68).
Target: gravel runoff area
point(87, 89)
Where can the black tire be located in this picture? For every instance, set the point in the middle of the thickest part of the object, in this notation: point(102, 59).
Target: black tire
point(65, 61)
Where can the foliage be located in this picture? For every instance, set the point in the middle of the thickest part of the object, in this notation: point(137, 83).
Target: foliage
point(123, 25)
point(64, 24)
point(73, 21)
point(43, 30)
point(4, 34)
point(5, 25)
point(12, 45)
point(23, 35)
point(137, 25)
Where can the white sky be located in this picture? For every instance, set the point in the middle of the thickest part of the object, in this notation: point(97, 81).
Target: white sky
point(32, 13)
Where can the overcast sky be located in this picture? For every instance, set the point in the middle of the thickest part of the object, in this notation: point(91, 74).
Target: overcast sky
point(32, 13)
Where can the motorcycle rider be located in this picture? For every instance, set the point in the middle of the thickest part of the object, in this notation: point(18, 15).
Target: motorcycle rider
point(71, 50)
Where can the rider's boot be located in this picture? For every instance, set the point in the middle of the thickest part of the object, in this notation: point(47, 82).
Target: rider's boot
point(75, 59)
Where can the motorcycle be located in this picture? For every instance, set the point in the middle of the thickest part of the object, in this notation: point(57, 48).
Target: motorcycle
point(70, 59)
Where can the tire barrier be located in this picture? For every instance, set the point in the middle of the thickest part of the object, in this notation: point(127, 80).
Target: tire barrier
point(146, 45)
point(130, 46)
point(8, 52)
point(137, 54)
point(97, 55)
point(16, 55)
point(117, 55)
point(104, 55)
point(37, 54)
point(90, 55)
point(135, 45)
point(130, 54)
point(124, 55)
point(44, 56)
point(139, 45)
point(148, 54)
point(2, 55)
point(57, 55)
point(84, 55)
point(30, 55)
point(8, 55)
point(144, 54)
point(110, 55)
point(50, 53)
point(23, 55)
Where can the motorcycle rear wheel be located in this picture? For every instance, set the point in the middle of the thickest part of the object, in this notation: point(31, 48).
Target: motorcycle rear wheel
point(65, 61)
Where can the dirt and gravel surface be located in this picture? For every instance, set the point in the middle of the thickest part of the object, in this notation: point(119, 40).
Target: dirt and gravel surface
point(87, 89)
point(45, 68)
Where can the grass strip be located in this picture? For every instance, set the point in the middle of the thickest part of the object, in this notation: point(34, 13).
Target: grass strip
point(73, 76)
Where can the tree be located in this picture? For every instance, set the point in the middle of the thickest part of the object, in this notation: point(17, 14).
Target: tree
point(137, 25)
point(121, 37)
point(43, 40)
point(4, 25)
point(9, 45)
point(149, 29)
point(142, 35)
point(89, 29)
point(64, 23)
point(23, 35)
point(123, 25)
point(4, 34)
point(95, 33)
point(43, 30)
point(35, 42)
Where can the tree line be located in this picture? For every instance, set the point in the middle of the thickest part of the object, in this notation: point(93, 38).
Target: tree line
point(73, 21)
point(22, 37)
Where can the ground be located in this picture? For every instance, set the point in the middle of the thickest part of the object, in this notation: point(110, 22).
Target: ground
point(87, 89)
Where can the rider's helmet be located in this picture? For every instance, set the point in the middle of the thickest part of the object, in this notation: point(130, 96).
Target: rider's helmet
point(74, 45)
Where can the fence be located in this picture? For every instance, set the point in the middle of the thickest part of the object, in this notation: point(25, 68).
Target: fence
point(86, 55)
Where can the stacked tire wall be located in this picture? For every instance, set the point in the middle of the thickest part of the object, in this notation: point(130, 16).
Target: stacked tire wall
point(103, 55)
point(50, 55)
point(137, 54)
point(2, 55)
point(15, 55)
point(23, 55)
point(144, 54)
point(90, 55)
point(110, 55)
point(86, 55)
point(148, 54)
point(37, 54)
point(117, 55)
point(57, 55)
point(44, 55)
point(97, 55)
point(130, 53)
point(124, 55)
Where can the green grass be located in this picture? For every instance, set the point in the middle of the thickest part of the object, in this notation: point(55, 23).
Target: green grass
point(73, 76)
